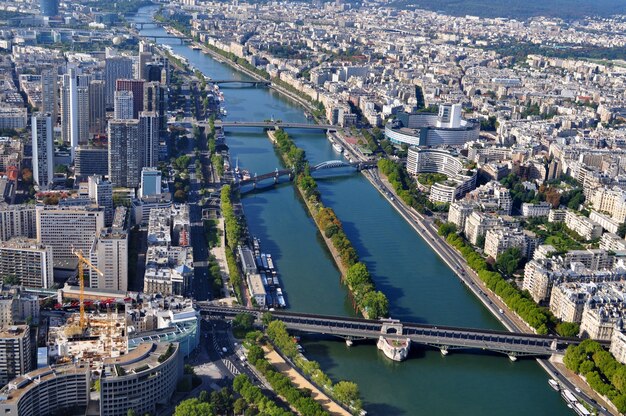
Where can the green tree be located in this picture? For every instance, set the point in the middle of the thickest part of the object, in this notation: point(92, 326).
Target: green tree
point(346, 391)
point(244, 321)
point(621, 230)
point(131, 412)
point(446, 229)
point(376, 304)
point(267, 318)
point(509, 260)
point(193, 407)
point(568, 329)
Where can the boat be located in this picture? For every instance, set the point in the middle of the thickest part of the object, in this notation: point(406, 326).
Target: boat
point(554, 384)
point(195, 48)
point(337, 147)
point(245, 175)
point(581, 410)
point(569, 396)
point(270, 262)
point(280, 298)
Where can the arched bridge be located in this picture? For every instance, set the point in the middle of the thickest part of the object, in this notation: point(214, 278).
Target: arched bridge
point(442, 337)
point(329, 164)
point(234, 81)
point(334, 164)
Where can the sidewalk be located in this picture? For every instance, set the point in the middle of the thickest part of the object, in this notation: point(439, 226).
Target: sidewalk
point(302, 383)
point(219, 253)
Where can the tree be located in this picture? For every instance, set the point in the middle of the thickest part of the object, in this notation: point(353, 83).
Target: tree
point(267, 318)
point(446, 229)
point(621, 230)
point(244, 321)
point(193, 407)
point(509, 260)
point(180, 196)
point(346, 391)
point(568, 329)
point(240, 406)
point(376, 304)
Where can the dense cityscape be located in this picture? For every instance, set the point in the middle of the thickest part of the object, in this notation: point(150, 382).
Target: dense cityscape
point(312, 208)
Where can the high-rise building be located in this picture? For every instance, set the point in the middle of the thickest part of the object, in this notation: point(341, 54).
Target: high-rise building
point(49, 8)
point(97, 108)
point(68, 228)
point(142, 64)
point(124, 153)
point(123, 105)
point(149, 142)
point(16, 357)
point(109, 254)
point(150, 182)
point(27, 260)
point(116, 67)
point(82, 98)
point(154, 100)
point(136, 86)
point(43, 150)
point(49, 93)
point(154, 71)
point(17, 221)
point(69, 96)
point(91, 160)
point(101, 192)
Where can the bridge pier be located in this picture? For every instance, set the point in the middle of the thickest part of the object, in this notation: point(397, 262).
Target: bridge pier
point(444, 350)
point(512, 357)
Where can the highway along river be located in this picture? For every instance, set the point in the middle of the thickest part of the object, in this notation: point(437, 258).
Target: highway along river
point(420, 287)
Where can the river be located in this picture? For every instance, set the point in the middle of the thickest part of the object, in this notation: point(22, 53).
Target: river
point(420, 287)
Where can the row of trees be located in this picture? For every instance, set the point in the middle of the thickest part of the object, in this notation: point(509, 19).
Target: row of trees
point(603, 372)
point(234, 58)
point(254, 399)
point(345, 392)
point(372, 303)
point(234, 233)
point(539, 318)
point(300, 399)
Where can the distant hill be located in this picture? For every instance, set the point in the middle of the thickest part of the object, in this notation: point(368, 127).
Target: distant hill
point(519, 9)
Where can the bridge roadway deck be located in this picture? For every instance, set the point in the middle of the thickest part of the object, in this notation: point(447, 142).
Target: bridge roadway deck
point(443, 337)
point(271, 125)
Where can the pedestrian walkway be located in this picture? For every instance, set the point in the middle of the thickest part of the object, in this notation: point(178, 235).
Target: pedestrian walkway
point(302, 383)
point(219, 253)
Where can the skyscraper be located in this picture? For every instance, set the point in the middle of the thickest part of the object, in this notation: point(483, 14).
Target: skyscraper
point(136, 86)
point(124, 153)
point(49, 93)
point(116, 67)
point(43, 150)
point(142, 64)
point(149, 141)
point(49, 8)
point(69, 95)
point(97, 108)
point(123, 105)
point(154, 100)
point(82, 98)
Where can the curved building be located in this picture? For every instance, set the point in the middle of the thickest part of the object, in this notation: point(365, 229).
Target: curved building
point(48, 391)
point(142, 380)
point(459, 182)
point(447, 128)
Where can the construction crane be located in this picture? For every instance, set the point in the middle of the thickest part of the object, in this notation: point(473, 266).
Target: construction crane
point(82, 262)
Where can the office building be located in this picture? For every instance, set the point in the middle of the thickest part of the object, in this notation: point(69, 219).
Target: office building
point(17, 221)
point(90, 160)
point(43, 150)
point(123, 106)
point(16, 357)
point(136, 86)
point(124, 153)
point(50, 93)
point(83, 112)
point(115, 67)
point(49, 8)
point(101, 192)
point(150, 182)
point(97, 108)
point(30, 262)
point(68, 228)
point(72, 97)
point(109, 254)
point(142, 62)
point(154, 100)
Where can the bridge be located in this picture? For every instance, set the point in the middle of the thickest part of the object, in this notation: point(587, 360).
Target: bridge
point(155, 37)
point(255, 83)
point(329, 164)
point(444, 338)
point(141, 24)
point(271, 125)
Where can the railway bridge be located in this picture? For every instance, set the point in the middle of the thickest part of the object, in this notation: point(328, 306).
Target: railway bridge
point(444, 338)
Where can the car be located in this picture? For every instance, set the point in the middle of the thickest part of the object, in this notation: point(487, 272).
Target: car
point(577, 390)
point(224, 349)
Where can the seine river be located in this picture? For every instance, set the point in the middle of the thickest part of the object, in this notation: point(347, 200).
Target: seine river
point(420, 287)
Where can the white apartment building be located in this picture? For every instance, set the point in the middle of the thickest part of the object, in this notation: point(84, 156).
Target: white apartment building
point(17, 221)
point(109, 253)
point(542, 209)
point(16, 358)
point(28, 261)
point(66, 229)
point(583, 226)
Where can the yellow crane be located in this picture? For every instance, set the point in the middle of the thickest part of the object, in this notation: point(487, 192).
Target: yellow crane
point(82, 262)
